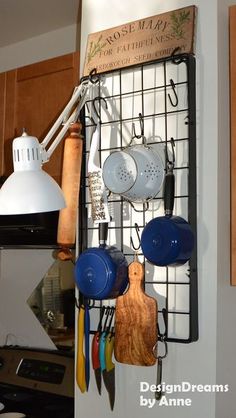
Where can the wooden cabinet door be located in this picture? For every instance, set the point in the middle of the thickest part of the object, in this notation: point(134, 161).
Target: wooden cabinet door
point(2, 117)
point(232, 32)
point(32, 97)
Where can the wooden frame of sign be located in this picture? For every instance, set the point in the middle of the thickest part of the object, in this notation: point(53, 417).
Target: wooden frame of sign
point(232, 46)
point(141, 41)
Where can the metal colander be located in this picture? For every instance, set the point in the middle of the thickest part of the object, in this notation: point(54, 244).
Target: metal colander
point(136, 173)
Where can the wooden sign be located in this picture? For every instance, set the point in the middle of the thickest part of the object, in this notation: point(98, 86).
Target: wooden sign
point(141, 41)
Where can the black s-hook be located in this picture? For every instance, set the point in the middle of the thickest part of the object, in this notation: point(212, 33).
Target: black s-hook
point(174, 104)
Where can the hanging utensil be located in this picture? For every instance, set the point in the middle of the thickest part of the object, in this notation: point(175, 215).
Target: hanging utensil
point(161, 338)
point(168, 240)
point(105, 354)
point(102, 343)
point(80, 361)
point(97, 189)
point(87, 344)
point(135, 321)
point(136, 172)
point(102, 273)
point(95, 353)
point(109, 373)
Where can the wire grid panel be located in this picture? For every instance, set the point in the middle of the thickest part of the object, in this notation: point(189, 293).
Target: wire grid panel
point(164, 93)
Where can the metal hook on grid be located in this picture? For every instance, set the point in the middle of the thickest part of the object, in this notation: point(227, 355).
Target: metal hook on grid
point(112, 311)
point(101, 318)
point(174, 104)
point(83, 301)
point(176, 56)
point(136, 248)
point(95, 110)
point(162, 335)
point(108, 312)
point(134, 133)
point(79, 301)
point(144, 209)
point(89, 116)
point(161, 338)
point(141, 123)
point(170, 162)
point(93, 76)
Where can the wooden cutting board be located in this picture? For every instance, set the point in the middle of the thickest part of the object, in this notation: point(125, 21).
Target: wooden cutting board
point(135, 322)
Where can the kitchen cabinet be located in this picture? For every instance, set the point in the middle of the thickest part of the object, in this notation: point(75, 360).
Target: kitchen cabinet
point(232, 33)
point(32, 97)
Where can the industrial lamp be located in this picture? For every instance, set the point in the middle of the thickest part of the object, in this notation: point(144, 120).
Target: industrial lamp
point(29, 189)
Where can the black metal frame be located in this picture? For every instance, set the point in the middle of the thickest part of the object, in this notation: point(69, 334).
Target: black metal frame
point(190, 120)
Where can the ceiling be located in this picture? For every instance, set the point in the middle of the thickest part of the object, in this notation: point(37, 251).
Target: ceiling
point(22, 19)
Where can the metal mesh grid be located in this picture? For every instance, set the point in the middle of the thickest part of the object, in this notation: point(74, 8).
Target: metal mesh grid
point(164, 92)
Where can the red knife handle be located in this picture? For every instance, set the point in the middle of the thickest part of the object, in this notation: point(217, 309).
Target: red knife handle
point(95, 351)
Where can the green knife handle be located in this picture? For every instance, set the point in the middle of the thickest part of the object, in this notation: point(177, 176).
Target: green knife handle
point(102, 354)
point(109, 352)
point(95, 351)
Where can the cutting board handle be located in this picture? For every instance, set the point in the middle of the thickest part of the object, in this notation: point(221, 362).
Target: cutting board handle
point(136, 275)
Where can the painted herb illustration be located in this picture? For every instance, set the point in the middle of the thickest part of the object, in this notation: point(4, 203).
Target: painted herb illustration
point(178, 22)
point(95, 47)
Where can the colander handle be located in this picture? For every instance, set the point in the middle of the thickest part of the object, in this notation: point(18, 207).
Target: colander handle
point(169, 192)
point(132, 142)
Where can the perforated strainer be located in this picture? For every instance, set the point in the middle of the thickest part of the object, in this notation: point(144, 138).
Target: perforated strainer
point(119, 172)
point(136, 172)
point(150, 173)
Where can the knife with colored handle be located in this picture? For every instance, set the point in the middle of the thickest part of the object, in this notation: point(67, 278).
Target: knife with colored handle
point(102, 354)
point(96, 362)
point(87, 337)
point(80, 363)
point(95, 353)
point(102, 342)
point(105, 356)
point(109, 373)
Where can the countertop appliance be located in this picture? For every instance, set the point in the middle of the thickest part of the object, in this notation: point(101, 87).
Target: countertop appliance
point(37, 383)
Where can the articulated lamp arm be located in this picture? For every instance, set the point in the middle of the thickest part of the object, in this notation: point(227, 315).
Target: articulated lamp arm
point(79, 95)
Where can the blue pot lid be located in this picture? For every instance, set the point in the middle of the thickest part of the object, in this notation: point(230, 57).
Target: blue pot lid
point(161, 241)
point(95, 273)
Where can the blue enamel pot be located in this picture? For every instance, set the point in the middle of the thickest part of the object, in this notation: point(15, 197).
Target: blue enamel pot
point(167, 241)
point(101, 273)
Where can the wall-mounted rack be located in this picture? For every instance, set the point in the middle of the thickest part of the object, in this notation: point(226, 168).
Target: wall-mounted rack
point(164, 93)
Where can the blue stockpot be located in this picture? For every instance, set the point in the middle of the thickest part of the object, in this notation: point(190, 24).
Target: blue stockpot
point(101, 273)
point(167, 241)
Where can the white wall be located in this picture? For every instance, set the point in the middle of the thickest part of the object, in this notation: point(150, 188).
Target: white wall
point(49, 45)
point(197, 362)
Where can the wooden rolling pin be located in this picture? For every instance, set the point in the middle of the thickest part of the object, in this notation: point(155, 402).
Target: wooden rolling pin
point(71, 173)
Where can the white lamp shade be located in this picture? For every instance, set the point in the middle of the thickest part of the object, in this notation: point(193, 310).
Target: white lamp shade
point(29, 189)
point(30, 192)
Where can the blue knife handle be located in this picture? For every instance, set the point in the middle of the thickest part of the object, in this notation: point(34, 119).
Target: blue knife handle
point(87, 337)
point(102, 352)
